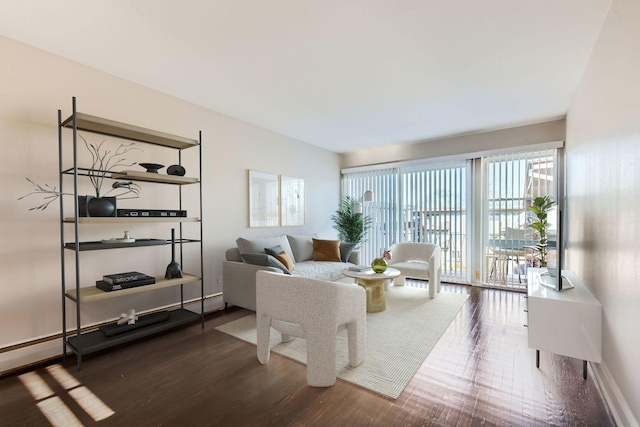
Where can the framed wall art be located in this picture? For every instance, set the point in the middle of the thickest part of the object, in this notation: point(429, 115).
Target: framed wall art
point(292, 209)
point(264, 199)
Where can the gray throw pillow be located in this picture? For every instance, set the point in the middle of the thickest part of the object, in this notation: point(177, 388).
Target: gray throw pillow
point(274, 251)
point(346, 249)
point(257, 244)
point(265, 261)
point(302, 246)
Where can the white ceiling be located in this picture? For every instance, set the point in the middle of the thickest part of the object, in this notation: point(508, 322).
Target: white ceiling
point(341, 74)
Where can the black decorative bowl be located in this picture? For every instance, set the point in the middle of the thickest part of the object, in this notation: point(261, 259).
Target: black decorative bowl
point(176, 170)
point(151, 167)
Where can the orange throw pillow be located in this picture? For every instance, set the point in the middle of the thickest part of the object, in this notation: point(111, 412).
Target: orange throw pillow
point(286, 260)
point(326, 250)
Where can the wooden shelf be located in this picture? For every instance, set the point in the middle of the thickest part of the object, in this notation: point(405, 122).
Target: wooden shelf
point(98, 339)
point(101, 126)
point(154, 177)
point(129, 219)
point(95, 341)
point(91, 293)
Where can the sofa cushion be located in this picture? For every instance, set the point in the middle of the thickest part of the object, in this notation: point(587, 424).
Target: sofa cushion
point(326, 250)
point(265, 260)
point(302, 246)
point(345, 250)
point(417, 270)
point(257, 244)
point(329, 271)
point(279, 253)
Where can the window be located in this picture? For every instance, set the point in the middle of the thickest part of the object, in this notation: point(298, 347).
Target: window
point(434, 210)
point(383, 209)
point(425, 203)
point(511, 183)
point(438, 203)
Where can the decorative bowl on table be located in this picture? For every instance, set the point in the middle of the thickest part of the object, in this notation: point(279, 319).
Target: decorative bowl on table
point(151, 167)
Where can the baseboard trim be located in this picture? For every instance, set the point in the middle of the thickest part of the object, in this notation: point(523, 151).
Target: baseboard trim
point(617, 403)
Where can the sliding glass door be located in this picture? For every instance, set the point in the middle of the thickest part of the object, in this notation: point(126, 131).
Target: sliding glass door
point(434, 209)
point(439, 203)
point(426, 203)
point(383, 209)
point(511, 183)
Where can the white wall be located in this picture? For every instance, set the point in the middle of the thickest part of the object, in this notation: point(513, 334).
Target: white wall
point(484, 141)
point(603, 193)
point(34, 86)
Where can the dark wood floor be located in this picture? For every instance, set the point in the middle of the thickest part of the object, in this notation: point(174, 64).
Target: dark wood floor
point(480, 373)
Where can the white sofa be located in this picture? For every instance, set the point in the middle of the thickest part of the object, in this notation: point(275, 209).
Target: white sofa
point(239, 276)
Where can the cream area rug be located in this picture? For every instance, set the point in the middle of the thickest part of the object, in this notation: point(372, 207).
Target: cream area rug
point(398, 339)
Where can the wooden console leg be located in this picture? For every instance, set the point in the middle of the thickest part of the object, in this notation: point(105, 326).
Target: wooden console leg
point(538, 359)
point(584, 369)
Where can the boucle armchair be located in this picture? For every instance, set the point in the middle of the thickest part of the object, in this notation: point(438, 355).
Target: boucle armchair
point(313, 309)
point(419, 260)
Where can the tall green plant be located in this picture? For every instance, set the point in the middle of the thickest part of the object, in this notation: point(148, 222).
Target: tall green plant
point(352, 226)
point(540, 208)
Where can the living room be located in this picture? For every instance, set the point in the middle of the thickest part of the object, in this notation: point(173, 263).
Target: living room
point(600, 128)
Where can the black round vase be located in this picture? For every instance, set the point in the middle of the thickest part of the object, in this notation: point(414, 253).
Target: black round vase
point(101, 207)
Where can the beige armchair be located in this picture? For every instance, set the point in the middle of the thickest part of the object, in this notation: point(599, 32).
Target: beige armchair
point(313, 309)
point(417, 260)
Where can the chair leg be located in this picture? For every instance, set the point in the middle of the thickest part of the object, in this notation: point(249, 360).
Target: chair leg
point(321, 355)
point(263, 326)
point(356, 336)
point(492, 271)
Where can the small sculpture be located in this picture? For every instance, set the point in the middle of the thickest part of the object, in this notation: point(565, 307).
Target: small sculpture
point(176, 170)
point(174, 271)
point(129, 319)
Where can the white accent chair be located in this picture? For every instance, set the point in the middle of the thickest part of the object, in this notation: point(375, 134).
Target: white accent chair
point(313, 309)
point(418, 260)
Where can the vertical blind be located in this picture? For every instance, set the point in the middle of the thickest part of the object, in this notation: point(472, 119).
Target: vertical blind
point(382, 210)
point(511, 183)
point(434, 210)
point(425, 203)
point(431, 203)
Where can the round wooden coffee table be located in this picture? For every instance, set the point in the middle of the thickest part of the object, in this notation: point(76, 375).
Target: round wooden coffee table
point(373, 284)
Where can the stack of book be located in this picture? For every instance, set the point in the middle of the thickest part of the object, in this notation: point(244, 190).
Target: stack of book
point(131, 279)
point(359, 268)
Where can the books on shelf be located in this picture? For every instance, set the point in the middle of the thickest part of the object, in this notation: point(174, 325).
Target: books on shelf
point(108, 287)
point(130, 276)
point(359, 268)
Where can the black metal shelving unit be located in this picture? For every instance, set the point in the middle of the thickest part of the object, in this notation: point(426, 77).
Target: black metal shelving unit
point(95, 340)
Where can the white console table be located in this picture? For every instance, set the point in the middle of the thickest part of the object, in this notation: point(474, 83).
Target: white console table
point(568, 323)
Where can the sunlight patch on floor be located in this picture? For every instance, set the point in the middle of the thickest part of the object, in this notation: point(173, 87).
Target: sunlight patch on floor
point(58, 413)
point(52, 406)
point(36, 386)
point(91, 404)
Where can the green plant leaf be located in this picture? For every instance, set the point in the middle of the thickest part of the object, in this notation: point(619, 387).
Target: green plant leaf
point(351, 226)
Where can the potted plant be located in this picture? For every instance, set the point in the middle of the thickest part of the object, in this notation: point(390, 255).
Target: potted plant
point(540, 208)
point(103, 163)
point(352, 226)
